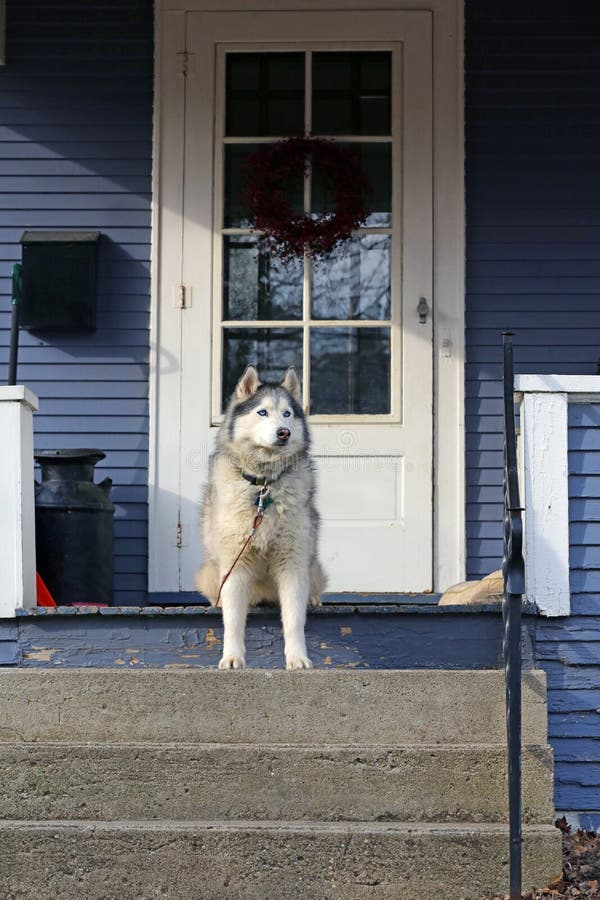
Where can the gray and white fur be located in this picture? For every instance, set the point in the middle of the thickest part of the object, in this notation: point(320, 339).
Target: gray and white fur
point(264, 436)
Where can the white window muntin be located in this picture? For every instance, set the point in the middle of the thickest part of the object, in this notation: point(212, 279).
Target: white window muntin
point(394, 323)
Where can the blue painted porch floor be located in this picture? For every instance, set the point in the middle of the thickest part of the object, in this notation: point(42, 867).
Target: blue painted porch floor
point(339, 634)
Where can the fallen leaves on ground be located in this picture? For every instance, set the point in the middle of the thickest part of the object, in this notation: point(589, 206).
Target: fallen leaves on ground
point(580, 876)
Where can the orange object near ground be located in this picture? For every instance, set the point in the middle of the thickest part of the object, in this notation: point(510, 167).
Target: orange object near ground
point(44, 597)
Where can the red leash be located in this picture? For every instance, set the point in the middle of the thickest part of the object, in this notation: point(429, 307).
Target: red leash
point(257, 521)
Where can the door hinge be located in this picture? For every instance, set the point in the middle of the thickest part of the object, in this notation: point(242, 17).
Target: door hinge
point(182, 535)
point(183, 62)
point(181, 296)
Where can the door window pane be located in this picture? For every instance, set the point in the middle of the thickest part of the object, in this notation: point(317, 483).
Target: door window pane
point(271, 350)
point(256, 284)
point(350, 371)
point(265, 94)
point(353, 282)
point(351, 93)
point(376, 164)
point(235, 212)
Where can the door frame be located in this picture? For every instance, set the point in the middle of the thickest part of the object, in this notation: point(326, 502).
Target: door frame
point(449, 544)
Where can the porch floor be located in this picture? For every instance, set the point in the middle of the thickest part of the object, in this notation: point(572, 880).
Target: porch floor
point(339, 635)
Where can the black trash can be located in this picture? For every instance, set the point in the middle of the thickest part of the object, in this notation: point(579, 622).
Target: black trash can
point(74, 527)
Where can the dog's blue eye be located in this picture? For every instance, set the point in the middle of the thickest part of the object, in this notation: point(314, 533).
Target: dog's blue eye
point(262, 412)
point(287, 414)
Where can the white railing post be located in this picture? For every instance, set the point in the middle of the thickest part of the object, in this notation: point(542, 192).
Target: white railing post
point(544, 440)
point(545, 458)
point(17, 510)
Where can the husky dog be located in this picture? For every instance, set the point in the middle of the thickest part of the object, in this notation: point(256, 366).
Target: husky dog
point(261, 463)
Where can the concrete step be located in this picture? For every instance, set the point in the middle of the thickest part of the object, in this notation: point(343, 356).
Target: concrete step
point(260, 861)
point(378, 708)
point(198, 781)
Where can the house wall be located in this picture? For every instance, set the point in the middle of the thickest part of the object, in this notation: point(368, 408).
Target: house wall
point(569, 648)
point(533, 267)
point(532, 201)
point(75, 153)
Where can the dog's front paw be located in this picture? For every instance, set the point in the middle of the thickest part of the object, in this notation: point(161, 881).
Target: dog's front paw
point(230, 661)
point(298, 661)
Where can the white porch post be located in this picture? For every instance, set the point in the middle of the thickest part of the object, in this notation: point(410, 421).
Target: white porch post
point(17, 515)
point(544, 428)
point(545, 458)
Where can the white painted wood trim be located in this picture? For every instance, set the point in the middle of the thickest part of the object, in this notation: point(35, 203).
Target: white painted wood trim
point(544, 429)
point(449, 487)
point(17, 509)
point(19, 393)
point(580, 388)
point(166, 320)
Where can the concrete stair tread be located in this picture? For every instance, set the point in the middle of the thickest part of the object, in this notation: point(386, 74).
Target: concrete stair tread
point(248, 860)
point(273, 825)
point(274, 746)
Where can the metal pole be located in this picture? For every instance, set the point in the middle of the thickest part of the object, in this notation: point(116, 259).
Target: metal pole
point(17, 284)
point(514, 586)
point(514, 744)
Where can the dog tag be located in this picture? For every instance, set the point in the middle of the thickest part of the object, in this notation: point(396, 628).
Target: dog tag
point(263, 500)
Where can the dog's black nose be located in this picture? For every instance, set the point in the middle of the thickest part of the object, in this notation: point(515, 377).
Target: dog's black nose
point(283, 434)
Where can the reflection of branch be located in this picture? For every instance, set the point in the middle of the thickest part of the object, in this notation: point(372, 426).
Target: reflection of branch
point(256, 285)
point(354, 282)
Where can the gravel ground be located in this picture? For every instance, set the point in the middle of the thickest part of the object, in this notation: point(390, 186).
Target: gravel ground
point(581, 869)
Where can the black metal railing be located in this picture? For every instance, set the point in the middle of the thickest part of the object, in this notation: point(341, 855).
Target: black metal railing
point(513, 571)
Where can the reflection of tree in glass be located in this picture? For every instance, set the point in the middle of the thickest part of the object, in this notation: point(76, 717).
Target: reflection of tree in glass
point(350, 370)
point(354, 281)
point(256, 284)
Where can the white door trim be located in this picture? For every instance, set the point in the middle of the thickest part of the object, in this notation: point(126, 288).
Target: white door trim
point(166, 320)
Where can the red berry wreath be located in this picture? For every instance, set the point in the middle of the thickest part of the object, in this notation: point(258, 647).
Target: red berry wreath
point(287, 232)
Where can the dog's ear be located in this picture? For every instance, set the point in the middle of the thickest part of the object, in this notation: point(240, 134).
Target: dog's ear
point(248, 384)
point(291, 384)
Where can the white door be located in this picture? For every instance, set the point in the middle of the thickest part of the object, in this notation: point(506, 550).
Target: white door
point(349, 323)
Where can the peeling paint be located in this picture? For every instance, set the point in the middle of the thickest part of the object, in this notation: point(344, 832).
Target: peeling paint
point(369, 640)
point(41, 654)
point(211, 637)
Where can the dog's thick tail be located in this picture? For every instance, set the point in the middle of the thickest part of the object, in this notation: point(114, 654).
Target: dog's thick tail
point(207, 581)
point(318, 583)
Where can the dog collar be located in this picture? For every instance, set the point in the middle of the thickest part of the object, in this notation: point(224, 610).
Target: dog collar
point(262, 480)
point(258, 480)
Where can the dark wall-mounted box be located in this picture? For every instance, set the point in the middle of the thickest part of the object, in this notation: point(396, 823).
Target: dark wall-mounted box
point(59, 280)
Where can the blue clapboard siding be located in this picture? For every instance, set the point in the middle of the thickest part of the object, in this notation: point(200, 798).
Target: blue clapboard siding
point(76, 153)
point(533, 220)
point(569, 648)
